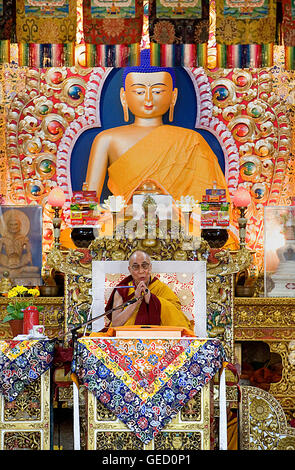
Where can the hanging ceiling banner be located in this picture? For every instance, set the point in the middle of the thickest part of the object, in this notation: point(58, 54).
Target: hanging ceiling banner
point(7, 28)
point(246, 21)
point(288, 23)
point(46, 22)
point(7, 19)
point(179, 32)
point(288, 32)
point(112, 32)
point(46, 32)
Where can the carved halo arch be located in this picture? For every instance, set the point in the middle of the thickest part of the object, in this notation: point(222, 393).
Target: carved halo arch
point(91, 118)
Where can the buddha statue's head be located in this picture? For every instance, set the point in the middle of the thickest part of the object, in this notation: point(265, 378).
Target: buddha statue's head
point(148, 91)
point(13, 225)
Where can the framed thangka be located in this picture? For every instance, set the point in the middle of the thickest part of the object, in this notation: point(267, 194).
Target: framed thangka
point(246, 22)
point(242, 9)
point(21, 244)
point(58, 8)
point(110, 8)
point(170, 9)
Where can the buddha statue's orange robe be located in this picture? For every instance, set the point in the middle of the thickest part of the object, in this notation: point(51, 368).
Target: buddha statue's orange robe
point(178, 160)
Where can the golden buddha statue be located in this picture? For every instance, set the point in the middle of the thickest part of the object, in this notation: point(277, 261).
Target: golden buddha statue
point(176, 160)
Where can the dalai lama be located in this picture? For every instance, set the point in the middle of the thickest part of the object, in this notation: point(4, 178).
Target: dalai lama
point(156, 305)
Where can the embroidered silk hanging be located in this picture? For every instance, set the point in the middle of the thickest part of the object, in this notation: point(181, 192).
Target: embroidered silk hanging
point(112, 32)
point(179, 32)
point(21, 363)
point(245, 32)
point(288, 31)
point(146, 382)
point(46, 32)
point(7, 28)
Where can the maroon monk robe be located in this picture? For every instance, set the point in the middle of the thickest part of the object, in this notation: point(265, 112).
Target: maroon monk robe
point(148, 314)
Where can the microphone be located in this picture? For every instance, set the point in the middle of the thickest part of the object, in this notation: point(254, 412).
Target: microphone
point(131, 301)
point(75, 329)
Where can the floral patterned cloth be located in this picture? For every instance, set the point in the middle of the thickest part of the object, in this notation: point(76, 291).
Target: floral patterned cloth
point(288, 24)
point(45, 22)
point(111, 28)
point(145, 382)
point(235, 28)
point(22, 362)
point(7, 19)
point(172, 30)
point(179, 40)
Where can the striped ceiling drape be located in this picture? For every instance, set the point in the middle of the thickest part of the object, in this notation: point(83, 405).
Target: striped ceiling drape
point(178, 31)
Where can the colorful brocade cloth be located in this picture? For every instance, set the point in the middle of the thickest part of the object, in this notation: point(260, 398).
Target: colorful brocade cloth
point(21, 363)
point(145, 382)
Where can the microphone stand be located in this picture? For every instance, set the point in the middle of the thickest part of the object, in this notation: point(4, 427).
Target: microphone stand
point(74, 331)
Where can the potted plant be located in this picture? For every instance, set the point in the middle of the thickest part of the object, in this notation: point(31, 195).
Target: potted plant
point(20, 298)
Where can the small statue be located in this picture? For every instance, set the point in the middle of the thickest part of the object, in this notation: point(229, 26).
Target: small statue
point(5, 283)
point(48, 277)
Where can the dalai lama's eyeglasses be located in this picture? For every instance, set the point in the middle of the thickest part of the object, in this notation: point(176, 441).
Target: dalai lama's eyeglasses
point(144, 266)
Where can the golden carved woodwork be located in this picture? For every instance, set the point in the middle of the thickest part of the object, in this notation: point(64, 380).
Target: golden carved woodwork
point(118, 441)
point(178, 440)
point(52, 316)
point(264, 312)
point(25, 422)
point(103, 413)
point(78, 261)
point(27, 406)
point(192, 410)
point(263, 424)
point(22, 440)
point(271, 320)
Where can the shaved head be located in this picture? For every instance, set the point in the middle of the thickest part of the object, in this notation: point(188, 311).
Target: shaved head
point(140, 267)
point(139, 253)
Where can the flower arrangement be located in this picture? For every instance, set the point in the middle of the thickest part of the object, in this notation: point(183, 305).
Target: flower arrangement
point(21, 297)
point(186, 203)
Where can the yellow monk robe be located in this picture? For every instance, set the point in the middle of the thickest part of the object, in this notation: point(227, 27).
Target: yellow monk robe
point(177, 159)
point(164, 303)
